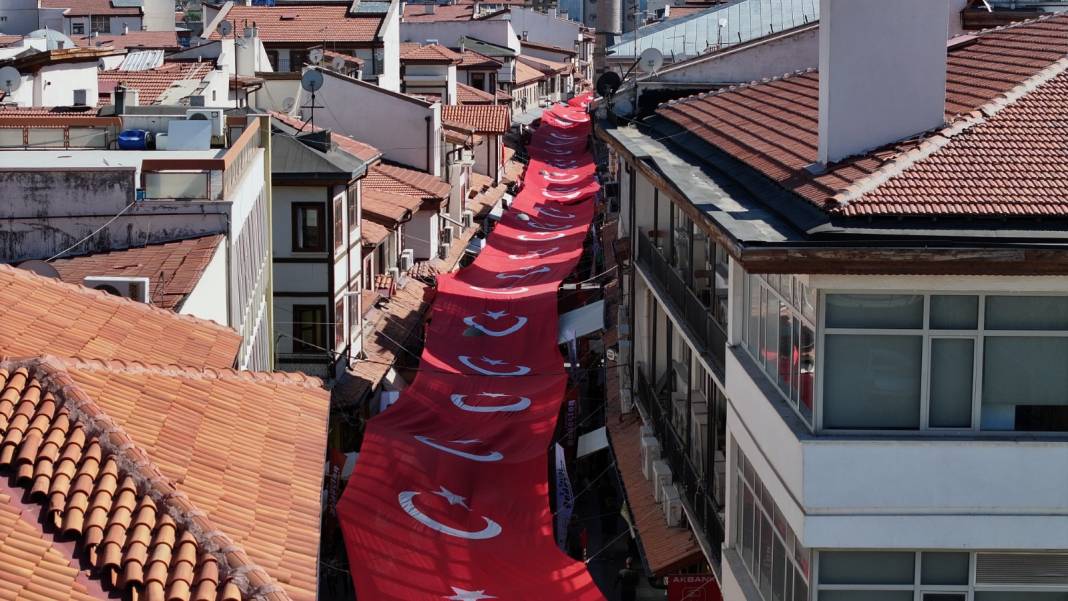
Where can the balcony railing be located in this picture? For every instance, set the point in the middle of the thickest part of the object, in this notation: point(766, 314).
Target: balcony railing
point(695, 314)
point(202, 179)
point(693, 486)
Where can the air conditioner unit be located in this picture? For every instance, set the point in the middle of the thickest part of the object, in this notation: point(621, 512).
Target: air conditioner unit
point(467, 156)
point(394, 272)
point(443, 252)
point(135, 288)
point(661, 478)
point(446, 235)
point(407, 259)
point(79, 97)
point(650, 453)
point(672, 505)
point(467, 218)
point(216, 116)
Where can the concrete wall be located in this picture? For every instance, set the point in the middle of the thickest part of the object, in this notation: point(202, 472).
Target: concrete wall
point(390, 32)
point(542, 28)
point(158, 15)
point(54, 85)
point(208, 299)
point(19, 17)
point(421, 234)
point(448, 33)
point(116, 24)
point(401, 128)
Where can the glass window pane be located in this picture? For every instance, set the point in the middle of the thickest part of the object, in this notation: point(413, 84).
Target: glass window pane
point(783, 365)
point(1026, 313)
point(872, 382)
point(765, 555)
point(884, 311)
point(954, 312)
point(865, 595)
point(800, 588)
point(778, 575)
point(747, 527)
point(807, 368)
point(795, 359)
point(848, 567)
point(952, 370)
point(945, 597)
point(944, 568)
point(763, 323)
point(1025, 383)
point(1019, 596)
point(753, 333)
point(771, 335)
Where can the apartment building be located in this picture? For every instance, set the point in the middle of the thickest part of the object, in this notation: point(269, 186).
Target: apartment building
point(204, 173)
point(844, 303)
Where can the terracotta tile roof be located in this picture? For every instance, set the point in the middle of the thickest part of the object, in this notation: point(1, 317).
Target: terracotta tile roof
point(165, 40)
point(400, 321)
point(39, 315)
point(773, 128)
point(469, 59)
point(503, 96)
point(549, 47)
point(481, 118)
point(9, 39)
point(173, 268)
point(526, 75)
point(185, 483)
point(371, 233)
point(466, 94)
point(151, 84)
point(546, 66)
point(483, 194)
point(331, 54)
point(416, 13)
point(84, 8)
point(300, 23)
point(666, 547)
point(401, 180)
point(360, 150)
point(387, 208)
point(429, 53)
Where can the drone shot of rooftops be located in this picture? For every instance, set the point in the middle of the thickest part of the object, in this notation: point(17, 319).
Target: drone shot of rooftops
point(533, 300)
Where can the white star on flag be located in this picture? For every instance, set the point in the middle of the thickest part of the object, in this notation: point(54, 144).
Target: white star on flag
point(452, 498)
point(489, 361)
point(466, 595)
point(496, 314)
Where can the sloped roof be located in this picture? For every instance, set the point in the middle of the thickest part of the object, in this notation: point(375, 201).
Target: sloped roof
point(387, 208)
point(301, 23)
point(166, 40)
point(481, 118)
point(544, 65)
point(360, 150)
point(194, 484)
point(39, 315)
point(417, 13)
point(525, 74)
point(84, 8)
point(428, 53)
point(466, 94)
point(470, 59)
point(150, 85)
point(372, 234)
point(173, 268)
point(401, 180)
point(345, 57)
point(993, 164)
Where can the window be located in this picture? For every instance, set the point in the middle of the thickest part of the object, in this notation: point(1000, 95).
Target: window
point(354, 207)
point(272, 57)
point(309, 329)
point(945, 361)
point(774, 557)
point(297, 58)
point(100, 24)
point(77, 28)
point(780, 336)
point(339, 324)
point(339, 223)
point(309, 232)
point(478, 80)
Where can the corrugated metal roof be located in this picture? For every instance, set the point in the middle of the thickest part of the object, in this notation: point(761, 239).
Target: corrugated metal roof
point(718, 27)
point(142, 60)
point(370, 8)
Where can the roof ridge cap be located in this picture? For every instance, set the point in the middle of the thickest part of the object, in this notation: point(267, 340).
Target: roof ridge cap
point(293, 378)
point(742, 86)
point(132, 460)
point(941, 137)
point(1014, 24)
point(100, 294)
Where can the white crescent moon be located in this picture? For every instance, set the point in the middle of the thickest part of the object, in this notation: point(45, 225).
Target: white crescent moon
point(520, 405)
point(405, 498)
point(535, 254)
point(552, 178)
point(494, 456)
point(555, 213)
point(551, 228)
point(520, 322)
point(505, 291)
point(526, 238)
point(520, 370)
point(512, 276)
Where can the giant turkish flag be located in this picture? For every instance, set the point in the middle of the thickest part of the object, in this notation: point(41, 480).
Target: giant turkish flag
point(449, 498)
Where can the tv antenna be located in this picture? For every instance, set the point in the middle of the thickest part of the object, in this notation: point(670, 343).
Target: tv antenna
point(311, 81)
point(10, 80)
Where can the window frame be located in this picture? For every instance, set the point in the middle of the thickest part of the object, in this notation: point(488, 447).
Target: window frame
point(300, 344)
point(296, 216)
point(978, 334)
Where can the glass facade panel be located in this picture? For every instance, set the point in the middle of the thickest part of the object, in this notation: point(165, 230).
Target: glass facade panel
point(952, 371)
point(944, 568)
point(954, 312)
point(875, 311)
point(1026, 313)
point(1025, 383)
point(1020, 596)
point(865, 596)
point(851, 567)
point(872, 382)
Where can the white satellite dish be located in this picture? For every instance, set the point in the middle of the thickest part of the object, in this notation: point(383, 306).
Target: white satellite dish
point(10, 79)
point(315, 56)
point(650, 60)
point(288, 103)
point(226, 28)
point(337, 64)
point(312, 80)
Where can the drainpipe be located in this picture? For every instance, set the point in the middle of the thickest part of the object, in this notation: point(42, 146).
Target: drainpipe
point(429, 144)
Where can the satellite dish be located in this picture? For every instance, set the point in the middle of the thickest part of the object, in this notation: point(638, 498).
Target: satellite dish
point(315, 56)
point(40, 268)
point(226, 28)
point(338, 64)
point(10, 79)
point(312, 80)
point(650, 60)
point(608, 83)
point(288, 103)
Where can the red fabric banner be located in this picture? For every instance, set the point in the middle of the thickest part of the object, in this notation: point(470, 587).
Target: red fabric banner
point(449, 498)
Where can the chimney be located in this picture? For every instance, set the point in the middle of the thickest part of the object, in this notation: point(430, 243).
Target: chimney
point(125, 29)
point(882, 73)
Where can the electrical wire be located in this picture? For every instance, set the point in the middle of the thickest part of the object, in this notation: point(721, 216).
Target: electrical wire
point(95, 232)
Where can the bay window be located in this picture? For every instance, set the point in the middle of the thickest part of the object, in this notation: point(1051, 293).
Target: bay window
point(945, 361)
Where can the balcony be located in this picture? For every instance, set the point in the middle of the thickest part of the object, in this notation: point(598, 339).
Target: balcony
point(201, 179)
point(703, 328)
point(695, 486)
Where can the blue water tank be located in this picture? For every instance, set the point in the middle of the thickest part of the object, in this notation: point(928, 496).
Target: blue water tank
point(133, 139)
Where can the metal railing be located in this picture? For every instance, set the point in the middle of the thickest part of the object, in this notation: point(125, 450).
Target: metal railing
point(698, 318)
point(693, 486)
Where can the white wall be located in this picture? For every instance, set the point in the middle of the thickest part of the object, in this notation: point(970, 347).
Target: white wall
point(770, 58)
point(395, 125)
point(158, 15)
point(448, 33)
point(18, 17)
point(54, 85)
point(421, 234)
point(542, 28)
point(390, 32)
point(208, 299)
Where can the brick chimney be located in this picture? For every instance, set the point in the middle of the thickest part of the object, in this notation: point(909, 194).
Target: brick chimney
point(882, 73)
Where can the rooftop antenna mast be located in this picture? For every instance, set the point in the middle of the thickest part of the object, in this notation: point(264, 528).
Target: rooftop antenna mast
point(311, 81)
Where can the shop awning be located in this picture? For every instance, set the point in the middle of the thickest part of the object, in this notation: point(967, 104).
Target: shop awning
point(591, 442)
point(581, 322)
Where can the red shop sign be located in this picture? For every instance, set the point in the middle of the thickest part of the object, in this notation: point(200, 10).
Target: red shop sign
point(693, 587)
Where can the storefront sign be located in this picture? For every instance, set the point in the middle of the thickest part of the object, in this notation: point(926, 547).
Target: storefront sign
point(693, 587)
